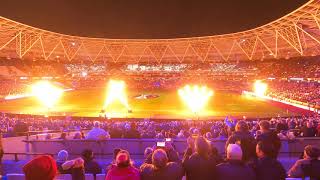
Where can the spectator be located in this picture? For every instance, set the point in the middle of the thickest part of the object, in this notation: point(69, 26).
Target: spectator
point(245, 139)
point(96, 133)
point(123, 168)
point(269, 137)
point(41, 167)
point(200, 164)
point(266, 166)
point(310, 153)
point(148, 152)
point(77, 135)
point(160, 168)
point(309, 130)
point(234, 168)
point(62, 157)
point(75, 167)
point(90, 165)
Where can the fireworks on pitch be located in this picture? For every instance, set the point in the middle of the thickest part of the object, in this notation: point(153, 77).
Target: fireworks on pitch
point(116, 92)
point(260, 88)
point(46, 93)
point(195, 97)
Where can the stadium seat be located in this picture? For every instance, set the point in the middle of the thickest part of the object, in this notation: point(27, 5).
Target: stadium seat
point(15, 176)
point(100, 176)
point(89, 177)
point(64, 177)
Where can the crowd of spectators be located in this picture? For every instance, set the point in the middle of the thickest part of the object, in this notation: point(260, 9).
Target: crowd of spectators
point(246, 158)
point(285, 127)
point(307, 92)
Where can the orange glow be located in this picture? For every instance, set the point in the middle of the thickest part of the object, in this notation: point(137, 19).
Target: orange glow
point(46, 93)
point(195, 97)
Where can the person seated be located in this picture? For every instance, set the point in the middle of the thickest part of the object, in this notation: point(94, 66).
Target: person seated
point(77, 135)
point(75, 167)
point(234, 168)
point(123, 168)
point(310, 153)
point(42, 167)
point(269, 136)
point(160, 168)
point(97, 133)
point(266, 166)
point(62, 157)
point(200, 164)
point(90, 165)
point(245, 139)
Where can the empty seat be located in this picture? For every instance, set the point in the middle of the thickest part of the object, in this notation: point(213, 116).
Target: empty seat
point(15, 177)
point(89, 177)
point(64, 177)
point(100, 176)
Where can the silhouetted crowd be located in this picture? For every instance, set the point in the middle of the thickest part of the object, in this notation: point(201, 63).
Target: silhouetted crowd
point(246, 158)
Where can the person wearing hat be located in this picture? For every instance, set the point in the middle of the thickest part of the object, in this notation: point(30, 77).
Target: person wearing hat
point(62, 157)
point(40, 168)
point(123, 168)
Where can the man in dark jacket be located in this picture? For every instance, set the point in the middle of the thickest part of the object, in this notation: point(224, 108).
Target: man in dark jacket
point(90, 165)
point(200, 165)
point(234, 168)
point(243, 137)
point(269, 137)
point(161, 169)
point(266, 167)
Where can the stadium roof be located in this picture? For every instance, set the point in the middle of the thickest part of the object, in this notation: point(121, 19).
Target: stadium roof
point(296, 34)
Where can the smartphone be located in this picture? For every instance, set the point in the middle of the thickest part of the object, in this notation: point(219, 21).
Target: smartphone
point(168, 139)
point(161, 144)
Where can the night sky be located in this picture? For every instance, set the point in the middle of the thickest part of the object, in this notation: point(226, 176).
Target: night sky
point(146, 18)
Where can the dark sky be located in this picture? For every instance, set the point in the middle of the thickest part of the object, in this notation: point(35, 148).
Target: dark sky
point(146, 18)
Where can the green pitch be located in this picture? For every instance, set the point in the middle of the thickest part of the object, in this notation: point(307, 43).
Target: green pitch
point(167, 105)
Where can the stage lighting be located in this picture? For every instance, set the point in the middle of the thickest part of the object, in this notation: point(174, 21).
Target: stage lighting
point(46, 93)
point(195, 97)
point(260, 88)
point(116, 92)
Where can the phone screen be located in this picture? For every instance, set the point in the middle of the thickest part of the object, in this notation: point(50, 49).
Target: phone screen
point(161, 144)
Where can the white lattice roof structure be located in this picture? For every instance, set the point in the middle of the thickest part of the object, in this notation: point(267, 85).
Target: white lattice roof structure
point(296, 34)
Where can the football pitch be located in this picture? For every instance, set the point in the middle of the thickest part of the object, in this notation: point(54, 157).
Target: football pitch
point(168, 105)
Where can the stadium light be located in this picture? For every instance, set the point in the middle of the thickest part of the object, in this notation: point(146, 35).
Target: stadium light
point(116, 92)
point(260, 88)
point(46, 93)
point(195, 97)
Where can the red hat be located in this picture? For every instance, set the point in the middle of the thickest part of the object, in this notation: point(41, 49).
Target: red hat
point(40, 168)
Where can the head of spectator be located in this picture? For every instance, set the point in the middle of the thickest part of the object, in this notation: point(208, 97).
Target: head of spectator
point(309, 124)
point(123, 159)
point(87, 155)
point(62, 156)
point(42, 167)
point(147, 152)
point(264, 126)
point(159, 158)
point(63, 136)
point(77, 135)
point(115, 152)
point(234, 152)
point(311, 152)
point(202, 147)
point(96, 124)
point(242, 126)
point(264, 149)
point(208, 135)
